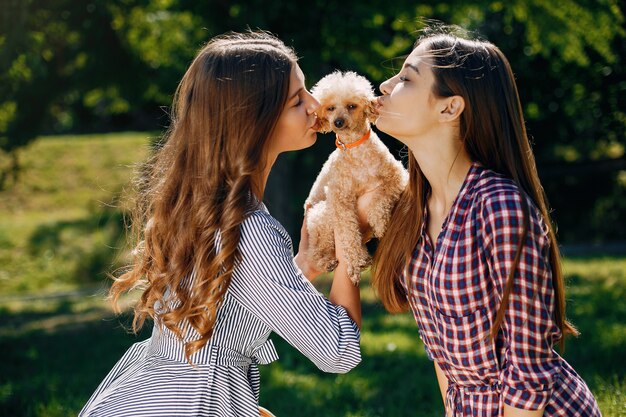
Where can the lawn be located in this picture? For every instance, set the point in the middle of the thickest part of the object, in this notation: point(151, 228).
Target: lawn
point(58, 337)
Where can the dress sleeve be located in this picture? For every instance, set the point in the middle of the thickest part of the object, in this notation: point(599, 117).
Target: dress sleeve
point(530, 364)
point(271, 286)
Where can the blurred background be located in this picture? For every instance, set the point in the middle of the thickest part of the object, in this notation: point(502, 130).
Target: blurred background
point(85, 89)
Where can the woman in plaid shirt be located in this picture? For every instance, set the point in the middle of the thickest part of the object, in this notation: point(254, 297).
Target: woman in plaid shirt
point(470, 247)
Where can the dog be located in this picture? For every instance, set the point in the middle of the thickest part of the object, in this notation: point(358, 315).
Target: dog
point(361, 163)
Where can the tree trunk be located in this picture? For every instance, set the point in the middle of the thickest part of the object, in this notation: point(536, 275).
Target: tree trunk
point(12, 171)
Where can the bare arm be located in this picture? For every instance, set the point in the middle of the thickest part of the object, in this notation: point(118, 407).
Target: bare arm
point(302, 257)
point(342, 291)
point(517, 412)
point(508, 410)
point(443, 382)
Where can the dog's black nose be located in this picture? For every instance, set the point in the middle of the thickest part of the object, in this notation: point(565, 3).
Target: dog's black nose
point(339, 123)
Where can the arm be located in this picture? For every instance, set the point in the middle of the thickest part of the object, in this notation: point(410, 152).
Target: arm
point(443, 382)
point(528, 328)
point(302, 258)
point(516, 412)
point(269, 285)
point(343, 292)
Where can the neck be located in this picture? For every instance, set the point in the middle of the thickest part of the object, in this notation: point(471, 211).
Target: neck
point(444, 162)
point(342, 144)
point(269, 163)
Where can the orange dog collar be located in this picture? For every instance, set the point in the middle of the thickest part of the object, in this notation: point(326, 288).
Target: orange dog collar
point(343, 146)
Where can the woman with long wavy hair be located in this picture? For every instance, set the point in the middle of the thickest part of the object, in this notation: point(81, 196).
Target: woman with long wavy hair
point(217, 270)
point(470, 247)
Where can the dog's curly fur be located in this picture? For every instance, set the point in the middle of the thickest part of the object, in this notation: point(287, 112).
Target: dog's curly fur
point(346, 108)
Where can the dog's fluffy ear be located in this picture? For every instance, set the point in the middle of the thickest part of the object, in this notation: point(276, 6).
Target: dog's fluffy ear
point(323, 125)
point(370, 110)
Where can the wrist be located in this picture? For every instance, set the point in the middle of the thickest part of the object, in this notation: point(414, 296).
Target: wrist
point(305, 267)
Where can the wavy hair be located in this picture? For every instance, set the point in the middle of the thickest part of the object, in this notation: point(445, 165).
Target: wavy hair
point(195, 191)
point(493, 132)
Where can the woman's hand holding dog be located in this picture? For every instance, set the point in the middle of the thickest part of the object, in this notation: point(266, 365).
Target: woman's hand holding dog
point(343, 291)
point(302, 258)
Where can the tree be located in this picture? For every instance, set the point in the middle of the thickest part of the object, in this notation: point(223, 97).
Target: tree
point(47, 59)
point(108, 64)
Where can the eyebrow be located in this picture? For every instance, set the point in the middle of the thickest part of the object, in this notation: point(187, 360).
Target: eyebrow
point(412, 66)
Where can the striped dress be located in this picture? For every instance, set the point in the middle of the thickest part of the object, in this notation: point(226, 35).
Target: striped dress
point(268, 293)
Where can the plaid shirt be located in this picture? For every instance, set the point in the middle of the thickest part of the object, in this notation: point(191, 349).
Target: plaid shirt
point(455, 290)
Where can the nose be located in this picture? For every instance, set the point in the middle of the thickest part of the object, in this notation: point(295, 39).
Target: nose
point(339, 123)
point(387, 86)
point(313, 104)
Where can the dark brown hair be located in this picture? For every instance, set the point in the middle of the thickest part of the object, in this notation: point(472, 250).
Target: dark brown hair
point(203, 179)
point(493, 132)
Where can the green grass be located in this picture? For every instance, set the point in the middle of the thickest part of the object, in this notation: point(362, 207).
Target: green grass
point(59, 223)
point(56, 351)
point(57, 232)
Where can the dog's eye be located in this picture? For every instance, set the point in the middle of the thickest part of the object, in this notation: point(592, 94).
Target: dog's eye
point(331, 108)
point(351, 106)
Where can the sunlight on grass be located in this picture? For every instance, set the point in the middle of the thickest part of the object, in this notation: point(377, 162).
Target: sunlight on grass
point(60, 225)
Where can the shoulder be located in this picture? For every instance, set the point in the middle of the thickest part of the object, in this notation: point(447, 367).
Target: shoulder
point(493, 189)
point(260, 227)
point(501, 202)
point(497, 194)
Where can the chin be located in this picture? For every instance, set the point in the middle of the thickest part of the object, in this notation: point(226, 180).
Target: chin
point(380, 124)
point(308, 140)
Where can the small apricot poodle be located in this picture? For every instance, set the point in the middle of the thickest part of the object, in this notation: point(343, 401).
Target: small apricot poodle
point(361, 163)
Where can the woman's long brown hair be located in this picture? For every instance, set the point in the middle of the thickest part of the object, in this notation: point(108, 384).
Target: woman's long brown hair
point(195, 192)
point(493, 131)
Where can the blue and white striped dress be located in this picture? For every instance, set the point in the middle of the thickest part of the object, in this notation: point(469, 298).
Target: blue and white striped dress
point(267, 293)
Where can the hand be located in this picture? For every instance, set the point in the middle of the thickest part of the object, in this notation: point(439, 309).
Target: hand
point(362, 204)
point(302, 258)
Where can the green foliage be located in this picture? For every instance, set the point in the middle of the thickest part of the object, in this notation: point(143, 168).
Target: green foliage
point(85, 65)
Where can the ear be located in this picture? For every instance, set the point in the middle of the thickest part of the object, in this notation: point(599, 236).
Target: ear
point(370, 110)
point(322, 120)
point(452, 108)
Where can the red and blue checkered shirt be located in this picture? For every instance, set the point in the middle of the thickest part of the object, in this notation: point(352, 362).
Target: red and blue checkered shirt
point(455, 289)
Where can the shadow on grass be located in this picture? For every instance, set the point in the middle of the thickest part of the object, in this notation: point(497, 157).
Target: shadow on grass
point(398, 382)
point(51, 370)
point(90, 244)
point(598, 310)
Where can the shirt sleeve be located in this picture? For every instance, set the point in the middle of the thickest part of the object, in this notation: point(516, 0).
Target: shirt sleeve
point(271, 286)
point(529, 330)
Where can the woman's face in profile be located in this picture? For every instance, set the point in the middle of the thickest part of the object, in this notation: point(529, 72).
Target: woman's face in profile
point(408, 108)
point(295, 127)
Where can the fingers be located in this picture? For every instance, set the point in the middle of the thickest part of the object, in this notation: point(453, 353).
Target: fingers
point(363, 203)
